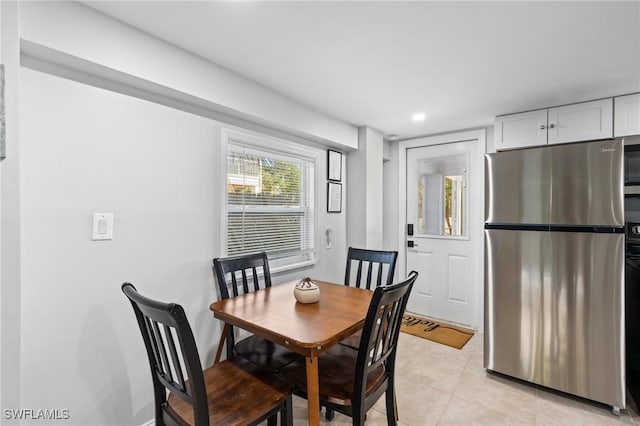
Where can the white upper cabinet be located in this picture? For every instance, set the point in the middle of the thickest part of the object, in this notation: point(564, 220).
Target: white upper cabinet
point(520, 130)
point(577, 122)
point(581, 122)
point(627, 115)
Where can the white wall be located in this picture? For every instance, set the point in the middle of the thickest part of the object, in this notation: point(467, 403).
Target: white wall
point(10, 213)
point(372, 185)
point(69, 31)
point(69, 339)
point(364, 201)
point(391, 199)
point(86, 150)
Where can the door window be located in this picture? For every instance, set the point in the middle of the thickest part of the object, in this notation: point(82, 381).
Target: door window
point(442, 196)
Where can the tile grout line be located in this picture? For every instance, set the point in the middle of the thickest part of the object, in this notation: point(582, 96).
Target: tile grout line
point(537, 402)
point(459, 379)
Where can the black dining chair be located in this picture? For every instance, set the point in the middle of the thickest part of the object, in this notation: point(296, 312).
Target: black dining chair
point(240, 275)
point(362, 267)
point(377, 263)
point(233, 392)
point(352, 381)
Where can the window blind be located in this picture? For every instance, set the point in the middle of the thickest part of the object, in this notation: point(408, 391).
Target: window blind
point(270, 204)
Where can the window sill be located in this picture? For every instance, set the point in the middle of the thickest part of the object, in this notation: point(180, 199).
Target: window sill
point(292, 266)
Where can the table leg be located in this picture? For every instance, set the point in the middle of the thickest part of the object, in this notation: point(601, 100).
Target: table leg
point(313, 393)
point(223, 337)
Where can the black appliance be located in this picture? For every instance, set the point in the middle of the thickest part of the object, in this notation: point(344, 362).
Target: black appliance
point(632, 295)
point(632, 165)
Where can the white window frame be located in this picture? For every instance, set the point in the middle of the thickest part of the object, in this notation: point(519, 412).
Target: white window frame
point(261, 142)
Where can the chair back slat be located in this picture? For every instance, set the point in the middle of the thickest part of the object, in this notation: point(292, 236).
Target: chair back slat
point(245, 281)
point(386, 340)
point(158, 323)
point(236, 268)
point(358, 274)
point(178, 378)
point(234, 285)
point(379, 277)
point(169, 375)
point(163, 366)
point(153, 342)
point(256, 282)
point(369, 275)
point(379, 264)
point(378, 344)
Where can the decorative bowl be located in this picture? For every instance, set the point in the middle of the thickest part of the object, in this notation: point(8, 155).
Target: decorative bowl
point(307, 291)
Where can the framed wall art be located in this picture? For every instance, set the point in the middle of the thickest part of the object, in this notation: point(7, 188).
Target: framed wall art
point(334, 166)
point(334, 197)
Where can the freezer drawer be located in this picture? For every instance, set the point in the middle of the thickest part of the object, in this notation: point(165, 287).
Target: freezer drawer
point(554, 311)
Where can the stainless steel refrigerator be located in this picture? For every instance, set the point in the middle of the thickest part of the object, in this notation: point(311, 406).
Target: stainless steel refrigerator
point(554, 268)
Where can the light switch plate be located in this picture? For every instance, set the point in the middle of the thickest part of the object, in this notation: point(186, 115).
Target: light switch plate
point(102, 228)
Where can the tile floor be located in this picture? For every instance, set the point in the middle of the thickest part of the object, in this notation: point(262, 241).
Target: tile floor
point(439, 385)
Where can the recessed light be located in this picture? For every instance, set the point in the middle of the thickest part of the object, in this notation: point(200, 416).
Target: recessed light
point(418, 116)
point(393, 137)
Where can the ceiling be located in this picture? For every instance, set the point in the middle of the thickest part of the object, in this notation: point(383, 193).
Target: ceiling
point(375, 63)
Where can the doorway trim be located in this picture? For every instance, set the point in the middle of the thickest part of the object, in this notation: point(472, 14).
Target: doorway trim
point(480, 136)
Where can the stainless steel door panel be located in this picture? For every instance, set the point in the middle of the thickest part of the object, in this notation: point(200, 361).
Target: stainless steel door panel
point(584, 316)
point(554, 311)
point(518, 186)
point(587, 183)
point(516, 263)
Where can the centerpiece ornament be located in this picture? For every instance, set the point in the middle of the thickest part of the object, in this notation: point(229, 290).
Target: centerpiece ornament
point(307, 291)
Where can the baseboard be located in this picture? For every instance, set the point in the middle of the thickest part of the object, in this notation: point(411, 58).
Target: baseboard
point(149, 423)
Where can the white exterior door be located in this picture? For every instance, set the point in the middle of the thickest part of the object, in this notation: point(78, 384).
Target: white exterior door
point(444, 212)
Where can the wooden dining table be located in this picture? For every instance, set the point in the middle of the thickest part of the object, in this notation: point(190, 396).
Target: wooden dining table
point(307, 329)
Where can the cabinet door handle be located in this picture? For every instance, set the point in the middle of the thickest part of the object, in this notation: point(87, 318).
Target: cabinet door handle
point(542, 127)
point(552, 126)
